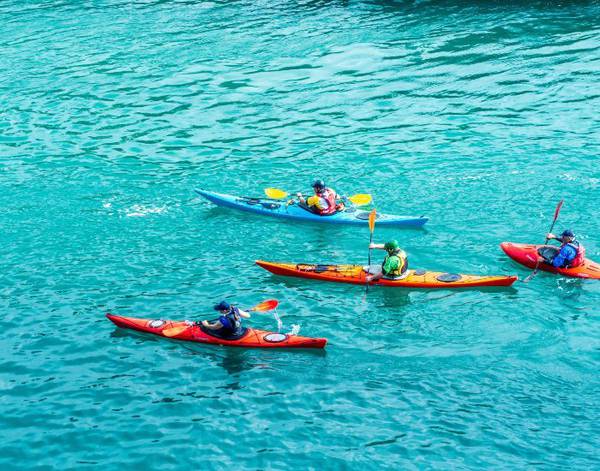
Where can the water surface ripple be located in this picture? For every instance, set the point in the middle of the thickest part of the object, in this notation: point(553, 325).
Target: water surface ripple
point(477, 114)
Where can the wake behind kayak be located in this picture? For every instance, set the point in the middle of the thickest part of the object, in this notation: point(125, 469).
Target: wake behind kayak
point(279, 209)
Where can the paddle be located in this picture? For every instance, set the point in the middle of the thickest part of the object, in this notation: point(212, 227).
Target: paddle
point(537, 265)
point(360, 199)
point(265, 306)
point(372, 216)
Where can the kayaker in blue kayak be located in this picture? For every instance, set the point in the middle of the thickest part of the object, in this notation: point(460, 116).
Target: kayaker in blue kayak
point(229, 323)
point(395, 263)
point(569, 255)
point(324, 202)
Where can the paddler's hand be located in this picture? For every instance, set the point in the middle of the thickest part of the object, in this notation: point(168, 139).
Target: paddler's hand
point(369, 278)
point(550, 236)
point(204, 323)
point(372, 245)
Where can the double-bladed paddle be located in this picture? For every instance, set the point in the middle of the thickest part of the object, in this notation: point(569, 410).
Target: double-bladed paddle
point(358, 200)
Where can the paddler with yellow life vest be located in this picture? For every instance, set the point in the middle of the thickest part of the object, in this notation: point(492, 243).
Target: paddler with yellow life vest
point(324, 202)
point(395, 263)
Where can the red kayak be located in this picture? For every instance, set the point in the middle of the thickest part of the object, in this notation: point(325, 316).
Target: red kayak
point(527, 254)
point(252, 338)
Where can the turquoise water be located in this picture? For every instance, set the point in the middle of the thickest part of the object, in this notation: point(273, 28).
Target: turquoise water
point(478, 115)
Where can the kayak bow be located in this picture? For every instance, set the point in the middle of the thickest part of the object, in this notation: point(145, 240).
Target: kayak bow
point(356, 274)
point(252, 338)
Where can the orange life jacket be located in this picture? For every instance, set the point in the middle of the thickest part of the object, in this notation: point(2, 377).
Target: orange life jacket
point(329, 196)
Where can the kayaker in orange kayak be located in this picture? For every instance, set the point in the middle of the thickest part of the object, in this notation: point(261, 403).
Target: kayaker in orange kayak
point(324, 202)
point(569, 255)
point(229, 323)
point(395, 263)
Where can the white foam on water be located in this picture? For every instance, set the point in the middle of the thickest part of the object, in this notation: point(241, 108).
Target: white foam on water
point(138, 210)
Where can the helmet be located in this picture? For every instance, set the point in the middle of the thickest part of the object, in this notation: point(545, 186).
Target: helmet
point(222, 306)
point(568, 233)
point(391, 245)
point(318, 184)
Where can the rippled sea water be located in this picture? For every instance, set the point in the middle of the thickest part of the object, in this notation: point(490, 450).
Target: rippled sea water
point(480, 115)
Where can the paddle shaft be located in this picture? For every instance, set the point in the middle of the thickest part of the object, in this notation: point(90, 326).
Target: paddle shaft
point(370, 242)
point(372, 217)
point(369, 265)
point(537, 264)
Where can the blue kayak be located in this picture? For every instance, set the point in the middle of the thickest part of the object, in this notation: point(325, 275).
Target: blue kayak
point(281, 209)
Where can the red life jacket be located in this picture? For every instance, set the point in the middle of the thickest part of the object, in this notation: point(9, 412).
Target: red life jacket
point(579, 258)
point(329, 196)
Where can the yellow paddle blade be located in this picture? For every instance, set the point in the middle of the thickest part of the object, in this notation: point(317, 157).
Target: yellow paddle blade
point(267, 305)
point(360, 199)
point(372, 216)
point(173, 331)
point(275, 193)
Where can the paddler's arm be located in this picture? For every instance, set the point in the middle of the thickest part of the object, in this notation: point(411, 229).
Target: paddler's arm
point(301, 198)
point(551, 236)
point(376, 246)
point(212, 325)
point(244, 314)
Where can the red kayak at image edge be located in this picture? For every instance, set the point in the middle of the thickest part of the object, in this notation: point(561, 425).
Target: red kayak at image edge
point(252, 338)
point(527, 254)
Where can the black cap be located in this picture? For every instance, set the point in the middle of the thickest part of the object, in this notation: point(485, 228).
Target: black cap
point(568, 233)
point(222, 306)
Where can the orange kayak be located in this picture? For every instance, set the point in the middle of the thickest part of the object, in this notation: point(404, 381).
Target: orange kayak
point(356, 274)
point(252, 338)
point(527, 254)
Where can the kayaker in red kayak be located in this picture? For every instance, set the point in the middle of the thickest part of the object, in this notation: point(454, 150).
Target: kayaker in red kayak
point(395, 263)
point(324, 202)
point(569, 255)
point(229, 323)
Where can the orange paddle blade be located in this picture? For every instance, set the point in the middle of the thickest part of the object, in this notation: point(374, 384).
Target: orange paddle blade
point(267, 305)
point(173, 331)
point(372, 216)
